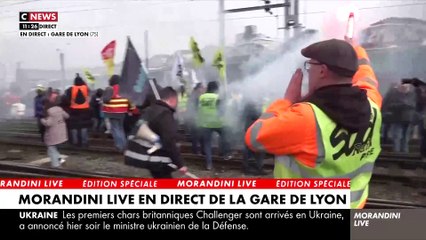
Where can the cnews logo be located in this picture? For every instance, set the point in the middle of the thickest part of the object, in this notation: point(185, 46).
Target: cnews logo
point(38, 16)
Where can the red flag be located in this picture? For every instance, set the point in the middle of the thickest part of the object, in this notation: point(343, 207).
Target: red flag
point(108, 54)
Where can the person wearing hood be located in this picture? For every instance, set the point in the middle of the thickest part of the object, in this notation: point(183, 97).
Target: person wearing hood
point(252, 110)
point(333, 132)
point(56, 129)
point(39, 109)
point(78, 97)
point(402, 106)
point(116, 108)
point(97, 115)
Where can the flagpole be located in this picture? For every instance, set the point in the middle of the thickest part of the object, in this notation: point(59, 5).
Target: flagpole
point(154, 89)
point(222, 38)
point(146, 49)
point(62, 61)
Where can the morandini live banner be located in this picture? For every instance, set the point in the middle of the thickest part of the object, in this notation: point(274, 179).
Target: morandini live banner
point(202, 207)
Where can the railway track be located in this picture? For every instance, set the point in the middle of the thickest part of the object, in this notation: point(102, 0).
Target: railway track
point(24, 132)
point(374, 203)
point(192, 159)
point(405, 161)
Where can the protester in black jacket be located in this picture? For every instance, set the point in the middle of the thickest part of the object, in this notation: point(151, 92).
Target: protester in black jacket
point(251, 112)
point(96, 106)
point(161, 121)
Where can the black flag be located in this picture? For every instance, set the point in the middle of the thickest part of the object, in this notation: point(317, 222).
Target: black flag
point(130, 74)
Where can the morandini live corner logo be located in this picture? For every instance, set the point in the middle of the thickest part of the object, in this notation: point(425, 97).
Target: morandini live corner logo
point(38, 16)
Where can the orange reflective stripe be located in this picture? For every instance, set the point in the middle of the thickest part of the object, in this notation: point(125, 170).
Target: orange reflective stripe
point(361, 53)
point(74, 91)
point(119, 100)
point(115, 105)
point(370, 81)
point(255, 128)
point(131, 105)
point(363, 61)
point(115, 109)
point(362, 205)
point(286, 130)
point(365, 77)
point(266, 115)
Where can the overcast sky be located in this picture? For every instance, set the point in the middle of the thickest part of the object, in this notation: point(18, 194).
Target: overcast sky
point(170, 25)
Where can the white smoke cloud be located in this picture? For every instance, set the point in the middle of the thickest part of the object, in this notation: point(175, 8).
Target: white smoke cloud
point(265, 85)
point(273, 78)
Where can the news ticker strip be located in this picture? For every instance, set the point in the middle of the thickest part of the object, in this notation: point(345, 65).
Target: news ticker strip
point(129, 183)
point(390, 224)
point(175, 193)
point(175, 198)
point(179, 221)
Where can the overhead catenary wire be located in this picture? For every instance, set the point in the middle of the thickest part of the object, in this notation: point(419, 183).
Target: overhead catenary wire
point(17, 3)
point(269, 16)
point(78, 10)
point(215, 19)
point(69, 11)
point(238, 18)
point(3, 12)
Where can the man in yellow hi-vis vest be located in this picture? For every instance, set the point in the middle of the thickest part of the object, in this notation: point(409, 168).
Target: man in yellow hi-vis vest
point(209, 120)
point(334, 132)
